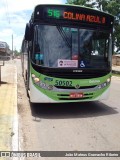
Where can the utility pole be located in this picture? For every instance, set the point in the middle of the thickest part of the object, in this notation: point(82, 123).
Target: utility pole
point(12, 46)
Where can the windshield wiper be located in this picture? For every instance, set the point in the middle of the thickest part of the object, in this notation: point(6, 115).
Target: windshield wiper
point(64, 36)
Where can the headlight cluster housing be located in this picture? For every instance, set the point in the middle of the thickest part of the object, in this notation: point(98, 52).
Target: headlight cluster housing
point(104, 84)
point(41, 84)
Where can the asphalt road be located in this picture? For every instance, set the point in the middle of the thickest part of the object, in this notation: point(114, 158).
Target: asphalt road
point(92, 126)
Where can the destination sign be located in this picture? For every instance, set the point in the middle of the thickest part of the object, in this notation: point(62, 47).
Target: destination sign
point(72, 15)
point(59, 14)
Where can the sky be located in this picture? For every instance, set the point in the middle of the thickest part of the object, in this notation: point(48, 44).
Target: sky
point(14, 14)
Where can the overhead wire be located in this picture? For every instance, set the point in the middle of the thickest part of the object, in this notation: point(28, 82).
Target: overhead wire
point(7, 12)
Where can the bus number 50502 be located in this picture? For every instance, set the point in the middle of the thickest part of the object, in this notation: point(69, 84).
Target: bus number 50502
point(63, 83)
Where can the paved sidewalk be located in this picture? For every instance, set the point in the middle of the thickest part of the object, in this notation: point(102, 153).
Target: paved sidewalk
point(8, 108)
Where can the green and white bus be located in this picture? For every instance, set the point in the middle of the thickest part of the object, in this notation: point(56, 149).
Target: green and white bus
point(67, 54)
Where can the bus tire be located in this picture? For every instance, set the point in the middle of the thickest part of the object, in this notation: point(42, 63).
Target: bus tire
point(26, 76)
point(27, 84)
point(28, 94)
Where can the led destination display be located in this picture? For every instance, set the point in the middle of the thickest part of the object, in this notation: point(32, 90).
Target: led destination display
point(53, 13)
point(72, 14)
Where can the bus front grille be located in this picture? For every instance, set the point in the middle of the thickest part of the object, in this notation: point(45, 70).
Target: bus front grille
point(67, 96)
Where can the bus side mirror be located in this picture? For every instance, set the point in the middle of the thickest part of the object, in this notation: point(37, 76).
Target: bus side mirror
point(28, 32)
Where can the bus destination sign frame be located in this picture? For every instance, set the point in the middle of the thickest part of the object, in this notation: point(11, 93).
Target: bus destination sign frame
point(74, 16)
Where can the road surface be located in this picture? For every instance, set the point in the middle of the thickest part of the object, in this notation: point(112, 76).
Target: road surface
point(92, 126)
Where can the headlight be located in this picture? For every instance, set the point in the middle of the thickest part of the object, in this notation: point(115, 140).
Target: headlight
point(50, 87)
point(33, 76)
point(99, 87)
point(108, 80)
point(42, 85)
point(36, 80)
point(104, 84)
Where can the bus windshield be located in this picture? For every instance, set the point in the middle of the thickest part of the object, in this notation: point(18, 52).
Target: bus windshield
point(67, 47)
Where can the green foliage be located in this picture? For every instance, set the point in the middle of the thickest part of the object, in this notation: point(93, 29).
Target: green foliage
point(79, 2)
point(109, 6)
point(113, 7)
point(16, 52)
point(76, 2)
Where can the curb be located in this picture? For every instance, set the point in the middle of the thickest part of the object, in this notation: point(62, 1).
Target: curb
point(116, 72)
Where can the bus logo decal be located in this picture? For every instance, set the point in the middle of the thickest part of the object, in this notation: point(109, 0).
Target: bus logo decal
point(48, 79)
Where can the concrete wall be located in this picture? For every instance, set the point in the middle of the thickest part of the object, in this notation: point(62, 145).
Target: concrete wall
point(116, 60)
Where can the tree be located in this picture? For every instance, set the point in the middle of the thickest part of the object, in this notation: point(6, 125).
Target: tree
point(113, 7)
point(87, 3)
point(77, 2)
point(109, 6)
point(16, 53)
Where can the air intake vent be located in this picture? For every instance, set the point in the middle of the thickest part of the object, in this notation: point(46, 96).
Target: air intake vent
point(81, 87)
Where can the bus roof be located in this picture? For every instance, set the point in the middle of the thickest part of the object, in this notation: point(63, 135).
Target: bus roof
point(77, 6)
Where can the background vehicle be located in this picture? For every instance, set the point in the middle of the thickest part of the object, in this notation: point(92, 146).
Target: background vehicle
point(4, 51)
point(69, 52)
